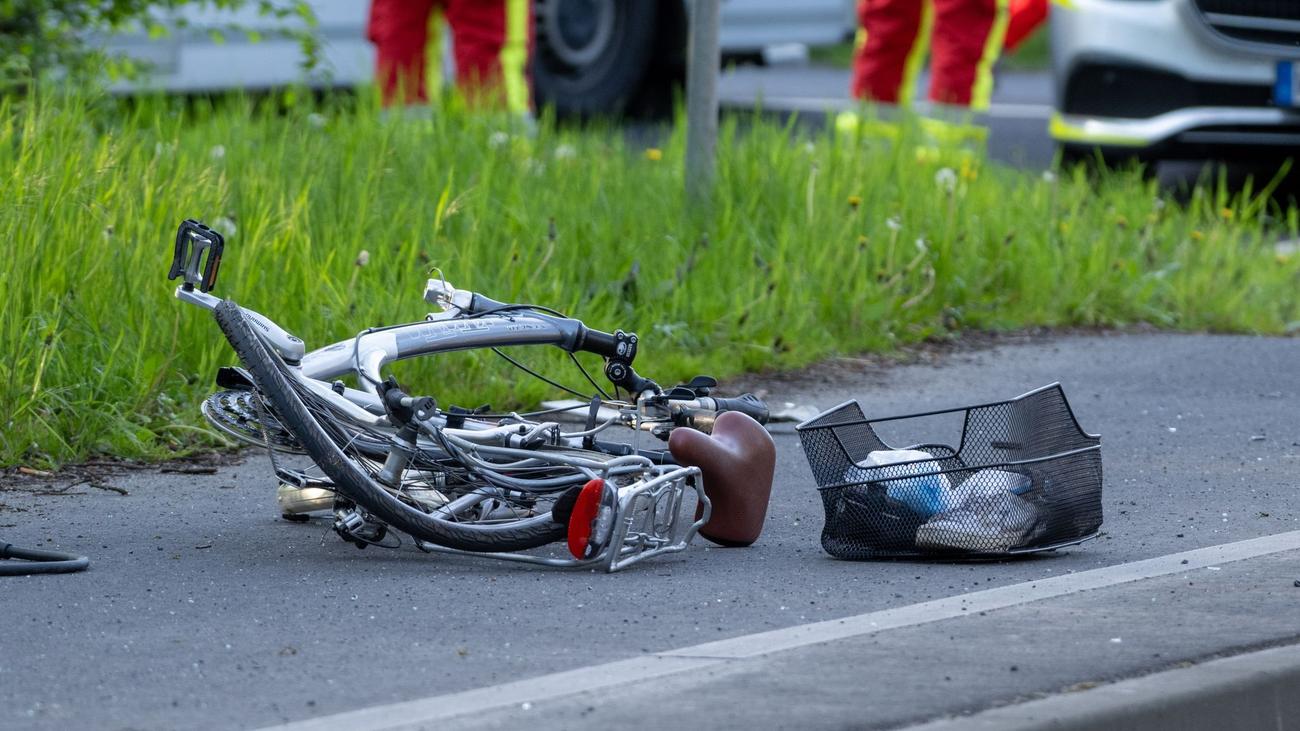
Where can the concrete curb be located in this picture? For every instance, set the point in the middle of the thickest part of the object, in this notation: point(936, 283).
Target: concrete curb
point(1258, 690)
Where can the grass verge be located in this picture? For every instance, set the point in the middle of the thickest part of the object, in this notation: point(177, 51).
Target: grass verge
point(815, 245)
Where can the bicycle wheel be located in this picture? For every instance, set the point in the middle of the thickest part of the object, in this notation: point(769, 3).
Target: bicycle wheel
point(354, 482)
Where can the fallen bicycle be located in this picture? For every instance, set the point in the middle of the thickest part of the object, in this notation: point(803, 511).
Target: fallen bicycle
point(466, 481)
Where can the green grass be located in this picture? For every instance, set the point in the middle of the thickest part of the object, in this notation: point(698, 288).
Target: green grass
point(814, 246)
point(839, 55)
point(1034, 54)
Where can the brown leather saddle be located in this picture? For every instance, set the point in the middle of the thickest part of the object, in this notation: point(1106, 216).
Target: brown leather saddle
point(737, 461)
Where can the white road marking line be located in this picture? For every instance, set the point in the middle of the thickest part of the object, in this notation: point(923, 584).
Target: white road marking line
point(987, 600)
point(555, 685)
point(836, 104)
point(688, 659)
point(1173, 698)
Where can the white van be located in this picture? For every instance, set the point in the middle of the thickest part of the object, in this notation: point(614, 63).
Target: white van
point(592, 55)
point(1173, 79)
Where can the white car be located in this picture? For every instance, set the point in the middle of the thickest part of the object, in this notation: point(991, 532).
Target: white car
point(591, 55)
point(1160, 79)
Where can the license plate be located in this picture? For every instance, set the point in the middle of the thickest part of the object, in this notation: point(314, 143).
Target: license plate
point(1286, 93)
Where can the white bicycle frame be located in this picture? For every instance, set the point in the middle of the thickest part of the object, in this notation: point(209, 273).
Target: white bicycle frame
point(647, 514)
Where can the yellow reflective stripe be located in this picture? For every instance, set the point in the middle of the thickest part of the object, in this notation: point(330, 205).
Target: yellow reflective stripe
point(982, 93)
point(433, 72)
point(916, 56)
point(851, 124)
point(514, 57)
point(1063, 131)
point(953, 133)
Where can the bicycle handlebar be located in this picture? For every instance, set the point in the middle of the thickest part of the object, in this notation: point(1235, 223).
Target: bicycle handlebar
point(618, 348)
point(590, 340)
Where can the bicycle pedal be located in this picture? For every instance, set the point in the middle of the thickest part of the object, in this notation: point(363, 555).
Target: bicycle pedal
point(197, 258)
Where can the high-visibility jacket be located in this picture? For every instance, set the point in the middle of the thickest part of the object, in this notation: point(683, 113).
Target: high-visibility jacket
point(492, 42)
point(967, 38)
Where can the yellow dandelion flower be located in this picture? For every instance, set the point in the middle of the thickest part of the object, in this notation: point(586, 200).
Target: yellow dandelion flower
point(1197, 236)
point(654, 154)
point(1227, 214)
point(855, 201)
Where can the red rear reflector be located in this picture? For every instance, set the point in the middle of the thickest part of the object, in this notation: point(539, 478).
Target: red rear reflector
point(584, 513)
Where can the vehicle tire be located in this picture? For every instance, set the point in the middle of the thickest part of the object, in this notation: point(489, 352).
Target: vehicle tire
point(592, 55)
point(353, 482)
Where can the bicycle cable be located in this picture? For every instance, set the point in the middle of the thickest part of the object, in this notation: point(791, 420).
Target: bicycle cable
point(540, 377)
point(534, 374)
point(356, 349)
point(587, 376)
point(511, 308)
point(37, 561)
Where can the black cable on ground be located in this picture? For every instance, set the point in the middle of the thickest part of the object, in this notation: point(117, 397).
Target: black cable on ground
point(36, 561)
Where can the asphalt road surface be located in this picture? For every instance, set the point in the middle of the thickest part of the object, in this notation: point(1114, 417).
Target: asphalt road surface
point(203, 610)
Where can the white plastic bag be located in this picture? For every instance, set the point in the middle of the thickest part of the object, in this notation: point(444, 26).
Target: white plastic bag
point(925, 495)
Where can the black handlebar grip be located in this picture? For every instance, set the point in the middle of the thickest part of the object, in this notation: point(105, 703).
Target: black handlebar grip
point(747, 404)
point(601, 343)
point(478, 304)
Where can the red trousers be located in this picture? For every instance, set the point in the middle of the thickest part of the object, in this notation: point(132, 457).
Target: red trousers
point(492, 42)
point(1026, 16)
point(967, 36)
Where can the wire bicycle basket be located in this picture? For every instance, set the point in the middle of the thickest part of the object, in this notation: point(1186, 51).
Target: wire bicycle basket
point(1025, 477)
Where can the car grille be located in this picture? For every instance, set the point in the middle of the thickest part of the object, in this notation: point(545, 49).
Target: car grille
point(1137, 92)
point(1275, 22)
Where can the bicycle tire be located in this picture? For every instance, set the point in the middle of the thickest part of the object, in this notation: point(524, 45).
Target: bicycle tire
point(353, 482)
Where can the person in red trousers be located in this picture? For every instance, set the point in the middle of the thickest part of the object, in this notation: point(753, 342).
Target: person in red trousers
point(967, 38)
point(492, 42)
